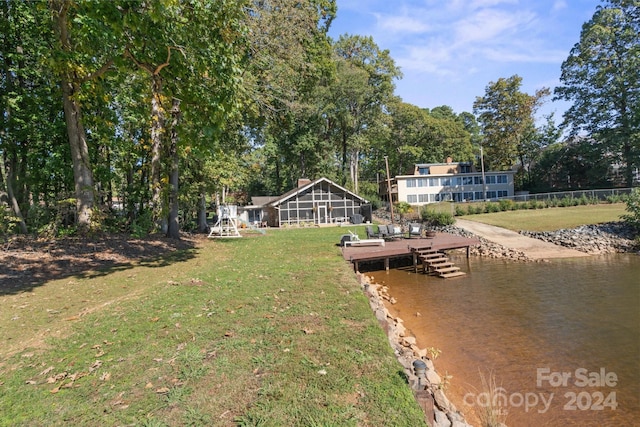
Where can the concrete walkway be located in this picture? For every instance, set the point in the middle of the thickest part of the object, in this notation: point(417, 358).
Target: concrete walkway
point(534, 248)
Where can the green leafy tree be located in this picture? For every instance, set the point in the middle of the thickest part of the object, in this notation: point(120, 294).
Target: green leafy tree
point(572, 164)
point(532, 147)
point(289, 57)
point(355, 99)
point(633, 207)
point(601, 77)
point(85, 48)
point(507, 117)
point(190, 56)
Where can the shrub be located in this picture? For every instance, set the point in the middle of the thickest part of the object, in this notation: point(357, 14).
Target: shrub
point(8, 220)
point(506, 205)
point(633, 207)
point(491, 207)
point(403, 208)
point(532, 204)
point(437, 218)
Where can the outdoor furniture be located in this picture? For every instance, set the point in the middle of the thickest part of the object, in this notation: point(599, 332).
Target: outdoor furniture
point(344, 239)
point(352, 239)
point(415, 229)
point(371, 234)
point(365, 242)
point(391, 232)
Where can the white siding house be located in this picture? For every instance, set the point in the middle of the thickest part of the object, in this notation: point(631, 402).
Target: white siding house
point(452, 181)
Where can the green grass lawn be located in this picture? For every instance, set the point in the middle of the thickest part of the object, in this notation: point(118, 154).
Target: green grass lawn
point(550, 219)
point(268, 330)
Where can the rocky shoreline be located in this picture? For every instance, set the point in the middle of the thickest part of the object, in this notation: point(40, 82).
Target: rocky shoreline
point(615, 237)
point(606, 238)
point(429, 389)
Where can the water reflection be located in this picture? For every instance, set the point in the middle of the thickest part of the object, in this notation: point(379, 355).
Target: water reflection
point(515, 318)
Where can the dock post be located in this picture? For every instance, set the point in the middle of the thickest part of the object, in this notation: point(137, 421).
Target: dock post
point(415, 262)
point(386, 263)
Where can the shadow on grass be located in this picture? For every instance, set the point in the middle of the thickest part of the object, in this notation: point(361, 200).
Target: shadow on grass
point(26, 263)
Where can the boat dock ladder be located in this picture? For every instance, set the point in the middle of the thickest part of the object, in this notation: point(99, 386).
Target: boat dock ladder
point(436, 263)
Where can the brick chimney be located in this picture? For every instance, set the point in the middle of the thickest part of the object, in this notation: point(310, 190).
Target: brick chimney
point(303, 182)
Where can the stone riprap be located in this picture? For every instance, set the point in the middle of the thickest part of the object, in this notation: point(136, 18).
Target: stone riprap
point(444, 413)
point(610, 237)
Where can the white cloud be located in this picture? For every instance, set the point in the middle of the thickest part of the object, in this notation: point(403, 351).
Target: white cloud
point(559, 5)
point(451, 48)
point(538, 56)
point(489, 24)
point(402, 24)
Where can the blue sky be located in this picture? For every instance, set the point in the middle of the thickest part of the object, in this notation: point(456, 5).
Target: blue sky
point(449, 50)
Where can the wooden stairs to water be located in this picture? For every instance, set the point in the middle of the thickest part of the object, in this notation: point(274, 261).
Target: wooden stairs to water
point(436, 263)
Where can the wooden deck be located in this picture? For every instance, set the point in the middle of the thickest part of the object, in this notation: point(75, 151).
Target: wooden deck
point(405, 248)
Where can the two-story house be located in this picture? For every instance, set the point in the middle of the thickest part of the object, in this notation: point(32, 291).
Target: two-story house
point(451, 181)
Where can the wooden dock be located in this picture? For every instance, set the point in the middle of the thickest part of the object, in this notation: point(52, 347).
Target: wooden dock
point(412, 248)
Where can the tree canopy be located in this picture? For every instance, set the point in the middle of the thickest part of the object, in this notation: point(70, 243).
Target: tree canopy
point(135, 116)
point(601, 77)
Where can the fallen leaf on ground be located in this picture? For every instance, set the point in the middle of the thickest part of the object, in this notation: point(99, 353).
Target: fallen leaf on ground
point(46, 371)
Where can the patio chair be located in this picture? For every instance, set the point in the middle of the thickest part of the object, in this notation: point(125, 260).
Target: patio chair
point(371, 234)
point(395, 231)
point(383, 231)
point(415, 229)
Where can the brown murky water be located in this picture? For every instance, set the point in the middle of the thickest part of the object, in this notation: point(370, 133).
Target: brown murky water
point(561, 339)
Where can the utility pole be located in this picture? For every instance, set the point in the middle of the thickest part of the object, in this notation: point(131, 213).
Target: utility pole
point(386, 162)
point(484, 187)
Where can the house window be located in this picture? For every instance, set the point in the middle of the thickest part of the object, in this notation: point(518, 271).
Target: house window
point(423, 198)
point(423, 182)
point(477, 180)
point(465, 168)
point(434, 182)
point(502, 179)
point(411, 183)
point(446, 181)
point(457, 181)
point(468, 196)
point(478, 195)
point(503, 193)
point(423, 170)
point(491, 179)
point(491, 195)
point(467, 180)
point(412, 198)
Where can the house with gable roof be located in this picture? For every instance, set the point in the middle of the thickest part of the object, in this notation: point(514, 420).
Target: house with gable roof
point(317, 202)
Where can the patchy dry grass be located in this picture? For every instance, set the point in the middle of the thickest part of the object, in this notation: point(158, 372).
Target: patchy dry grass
point(268, 330)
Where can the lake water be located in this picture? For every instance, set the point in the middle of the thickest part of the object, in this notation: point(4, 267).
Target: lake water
point(561, 338)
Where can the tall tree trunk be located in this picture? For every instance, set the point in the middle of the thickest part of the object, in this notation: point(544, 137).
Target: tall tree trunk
point(157, 133)
point(354, 169)
point(6, 171)
point(82, 173)
point(343, 170)
point(173, 230)
point(203, 227)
